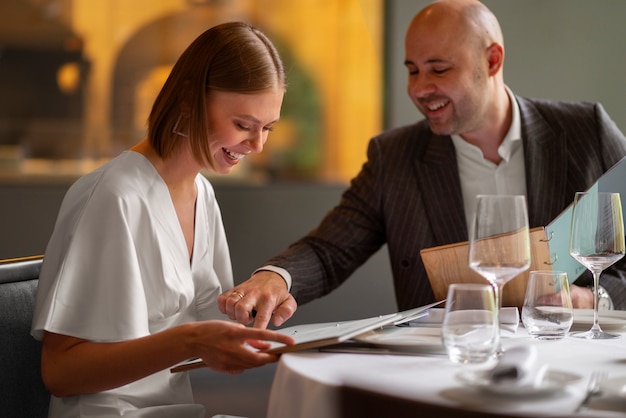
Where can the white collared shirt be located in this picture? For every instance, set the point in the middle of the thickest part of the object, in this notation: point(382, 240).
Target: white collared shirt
point(481, 176)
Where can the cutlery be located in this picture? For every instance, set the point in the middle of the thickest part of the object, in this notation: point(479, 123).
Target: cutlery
point(593, 388)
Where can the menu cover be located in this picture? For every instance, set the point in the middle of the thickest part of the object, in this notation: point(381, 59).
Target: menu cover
point(558, 231)
point(448, 264)
point(322, 334)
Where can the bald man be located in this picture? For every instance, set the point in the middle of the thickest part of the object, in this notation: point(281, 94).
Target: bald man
point(418, 187)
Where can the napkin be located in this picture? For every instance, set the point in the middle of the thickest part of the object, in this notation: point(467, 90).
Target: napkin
point(518, 366)
point(509, 318)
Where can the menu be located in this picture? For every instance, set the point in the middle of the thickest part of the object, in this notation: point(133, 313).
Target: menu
point(558, 231)
point(323, 334)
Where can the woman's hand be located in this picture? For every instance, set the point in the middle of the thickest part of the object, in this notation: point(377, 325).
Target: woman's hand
point(74, 366)
point(232, 348)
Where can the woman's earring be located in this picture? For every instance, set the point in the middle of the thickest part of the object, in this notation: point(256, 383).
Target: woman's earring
point(177, 126)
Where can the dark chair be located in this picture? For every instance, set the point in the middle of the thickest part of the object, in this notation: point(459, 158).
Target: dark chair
point(22, 392)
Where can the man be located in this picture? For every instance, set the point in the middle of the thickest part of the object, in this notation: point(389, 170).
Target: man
point(417, 189)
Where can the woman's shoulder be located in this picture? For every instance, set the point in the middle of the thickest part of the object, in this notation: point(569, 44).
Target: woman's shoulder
point(205, 187)
point(127, 175)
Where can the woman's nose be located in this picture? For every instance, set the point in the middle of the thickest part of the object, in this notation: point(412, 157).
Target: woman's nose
point(256, 141)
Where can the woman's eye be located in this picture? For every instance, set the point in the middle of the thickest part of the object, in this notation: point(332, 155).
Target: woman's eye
point(242, 127)
point(268, 128)
point(440, 70)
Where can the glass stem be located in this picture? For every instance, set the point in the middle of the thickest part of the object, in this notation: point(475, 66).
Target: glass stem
point(497, 295)
point(596, 283)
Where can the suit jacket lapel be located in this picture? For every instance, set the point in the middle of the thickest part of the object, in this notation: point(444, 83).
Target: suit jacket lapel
point(438, 178)
point(546, 165)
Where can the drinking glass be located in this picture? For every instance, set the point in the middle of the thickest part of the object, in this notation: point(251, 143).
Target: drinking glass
point(596, 241)
point(499, 247)
point(547, 312)
point(470, 331)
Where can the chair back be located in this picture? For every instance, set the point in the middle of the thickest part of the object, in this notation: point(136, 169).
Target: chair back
point(22, 392)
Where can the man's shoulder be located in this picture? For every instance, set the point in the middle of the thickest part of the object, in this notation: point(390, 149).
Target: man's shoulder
point(556, 109)
point(410, 132)
point(411, 141)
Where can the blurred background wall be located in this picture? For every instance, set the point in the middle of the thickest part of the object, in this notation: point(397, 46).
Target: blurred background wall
point(79, 78)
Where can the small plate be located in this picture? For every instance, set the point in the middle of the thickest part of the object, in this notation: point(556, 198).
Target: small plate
point(614, 387)
point(554, 381)
point(413, 338)
point(609, 320)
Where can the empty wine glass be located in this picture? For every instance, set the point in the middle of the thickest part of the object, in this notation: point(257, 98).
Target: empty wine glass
point(596, 241)
point(499, 246)
point(469, 330)
point(547, 313)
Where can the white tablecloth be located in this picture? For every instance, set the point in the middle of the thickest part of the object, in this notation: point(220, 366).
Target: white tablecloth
point(306, 383)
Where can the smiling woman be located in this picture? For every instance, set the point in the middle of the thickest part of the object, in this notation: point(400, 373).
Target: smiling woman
point(240, 124)
point(118, 306)
point(203, 94)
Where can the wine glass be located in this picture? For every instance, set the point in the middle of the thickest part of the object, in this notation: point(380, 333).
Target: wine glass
point(596, 241)
point(499, 246)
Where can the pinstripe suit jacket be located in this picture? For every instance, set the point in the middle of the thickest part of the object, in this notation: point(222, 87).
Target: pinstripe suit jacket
point(408, 196)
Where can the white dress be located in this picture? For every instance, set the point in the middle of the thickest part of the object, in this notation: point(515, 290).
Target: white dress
point(117, 268)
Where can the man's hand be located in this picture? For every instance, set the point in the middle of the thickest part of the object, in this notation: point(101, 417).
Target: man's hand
point(582, 298)
point(259, 298)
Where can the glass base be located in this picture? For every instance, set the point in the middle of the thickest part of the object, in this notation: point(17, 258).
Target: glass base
point(498, 352)
point(548, 337)
point(594, 334)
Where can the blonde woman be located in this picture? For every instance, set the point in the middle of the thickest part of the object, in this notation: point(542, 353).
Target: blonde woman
point(138, 256)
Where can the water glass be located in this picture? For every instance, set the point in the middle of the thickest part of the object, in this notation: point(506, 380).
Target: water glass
point(470, 329)
point(547, 313)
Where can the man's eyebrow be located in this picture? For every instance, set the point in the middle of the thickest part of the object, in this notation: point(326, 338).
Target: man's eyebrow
point(430, 61)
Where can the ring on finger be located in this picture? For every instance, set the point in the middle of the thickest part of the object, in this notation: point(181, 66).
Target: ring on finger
point(236, 293)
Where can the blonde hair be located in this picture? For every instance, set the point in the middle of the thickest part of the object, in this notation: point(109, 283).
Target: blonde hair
point(231, 57)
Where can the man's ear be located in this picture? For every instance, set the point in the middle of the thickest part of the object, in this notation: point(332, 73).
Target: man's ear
point(495, 58)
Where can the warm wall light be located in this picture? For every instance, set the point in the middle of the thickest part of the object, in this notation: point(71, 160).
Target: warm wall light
point(68, 77)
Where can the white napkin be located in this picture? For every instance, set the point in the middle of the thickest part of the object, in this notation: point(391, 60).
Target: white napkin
point(518, 367)
point(509, 318)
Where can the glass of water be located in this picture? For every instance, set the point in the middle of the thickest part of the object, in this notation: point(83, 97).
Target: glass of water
point(470, 328)
point(547, 313)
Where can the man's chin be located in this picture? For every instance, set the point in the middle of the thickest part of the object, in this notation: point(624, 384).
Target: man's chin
point(440, 130)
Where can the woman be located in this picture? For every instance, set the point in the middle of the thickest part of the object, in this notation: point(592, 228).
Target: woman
point(138, 255)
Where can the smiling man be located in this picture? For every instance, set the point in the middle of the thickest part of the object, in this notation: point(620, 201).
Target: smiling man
point(418, 187)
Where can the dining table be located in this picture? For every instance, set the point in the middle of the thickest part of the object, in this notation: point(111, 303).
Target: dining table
point(311, 383)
